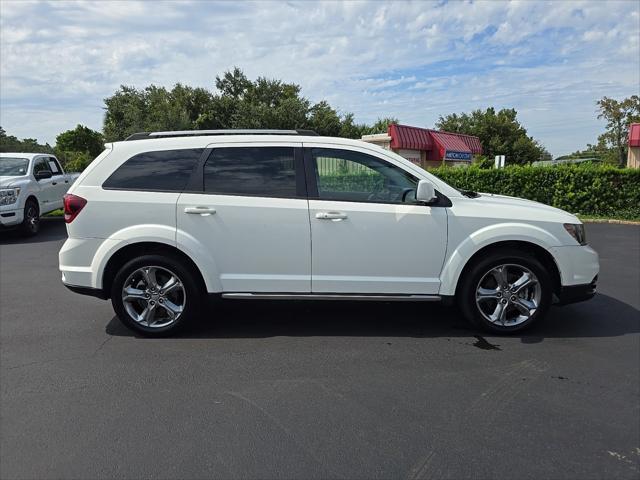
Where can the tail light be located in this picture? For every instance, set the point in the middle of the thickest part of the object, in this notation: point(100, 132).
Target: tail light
point(73, 204)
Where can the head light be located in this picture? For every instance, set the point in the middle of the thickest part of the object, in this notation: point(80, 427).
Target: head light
point(576, 230)
point(9, 196)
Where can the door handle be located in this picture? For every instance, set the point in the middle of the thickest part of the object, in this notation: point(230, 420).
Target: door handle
point(202, 211)
point(54, 183)
point(331, 216)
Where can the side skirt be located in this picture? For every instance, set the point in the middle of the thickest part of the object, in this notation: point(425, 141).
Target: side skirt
point(330, 296)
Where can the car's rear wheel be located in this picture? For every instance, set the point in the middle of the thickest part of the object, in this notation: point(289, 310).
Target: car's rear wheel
point(505, 292)
point(31, 219)
point(155, 295)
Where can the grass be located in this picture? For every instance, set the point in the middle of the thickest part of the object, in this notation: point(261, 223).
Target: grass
point(55, 213)
point(614, 218)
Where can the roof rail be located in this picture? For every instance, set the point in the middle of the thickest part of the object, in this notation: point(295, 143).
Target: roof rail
point(200, 133)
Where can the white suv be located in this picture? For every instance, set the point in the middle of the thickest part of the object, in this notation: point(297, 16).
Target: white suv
point(161, 219)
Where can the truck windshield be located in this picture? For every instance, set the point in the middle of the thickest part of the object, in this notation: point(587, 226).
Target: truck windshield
point(13, 167)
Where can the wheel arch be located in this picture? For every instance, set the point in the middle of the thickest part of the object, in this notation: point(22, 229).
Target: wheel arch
point(35, 199)
point(537, 251)
point(133, 250)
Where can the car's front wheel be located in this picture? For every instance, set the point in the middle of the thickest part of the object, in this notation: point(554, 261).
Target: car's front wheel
point(155, 295)
point(31, 220)
point(505, 292)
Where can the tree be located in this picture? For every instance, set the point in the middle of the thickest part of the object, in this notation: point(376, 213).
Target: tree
point(10, 143)
point(350, 129)
point(237, 102)
point(269, 103)
point(153, 108)
point(324, 120)
point(500, 134)
point(593, 152)
point(234, 84)
point(80, 139)
point(619, 115)
point(381, 125)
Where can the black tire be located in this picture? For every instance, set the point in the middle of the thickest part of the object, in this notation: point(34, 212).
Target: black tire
point(31, 221)
point(479, 271)
point(191, 294)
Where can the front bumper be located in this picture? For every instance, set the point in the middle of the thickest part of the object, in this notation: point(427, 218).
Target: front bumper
point(578, 264)
point(11, 218)
point(577, 293)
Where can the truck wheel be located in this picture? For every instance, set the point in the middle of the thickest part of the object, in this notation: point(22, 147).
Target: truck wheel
point(31, 221)
point(155, 295)
point(505, 292)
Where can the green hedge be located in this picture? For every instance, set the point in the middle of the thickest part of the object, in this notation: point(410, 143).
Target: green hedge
point(589, 190)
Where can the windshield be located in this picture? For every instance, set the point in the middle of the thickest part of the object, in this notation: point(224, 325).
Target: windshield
point(13, 167)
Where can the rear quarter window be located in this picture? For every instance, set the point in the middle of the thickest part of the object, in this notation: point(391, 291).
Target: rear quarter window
point(165, 170)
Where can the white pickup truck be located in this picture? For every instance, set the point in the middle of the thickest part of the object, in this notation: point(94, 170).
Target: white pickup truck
point(31, 184)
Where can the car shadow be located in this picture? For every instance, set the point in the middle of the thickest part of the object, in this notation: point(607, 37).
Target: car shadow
point(51, 229)
point(603, 316)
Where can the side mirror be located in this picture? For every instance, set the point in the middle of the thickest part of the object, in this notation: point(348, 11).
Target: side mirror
point(426, 193)
point(41, 175)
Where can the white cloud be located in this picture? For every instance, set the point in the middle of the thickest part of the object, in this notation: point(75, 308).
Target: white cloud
point(415, 61)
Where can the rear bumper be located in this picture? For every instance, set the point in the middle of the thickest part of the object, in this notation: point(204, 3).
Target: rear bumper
point(91, 292)
point(577, 293)
point(81, 261)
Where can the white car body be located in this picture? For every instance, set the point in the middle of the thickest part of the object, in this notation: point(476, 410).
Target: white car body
point(47, 192)
point(252, 245)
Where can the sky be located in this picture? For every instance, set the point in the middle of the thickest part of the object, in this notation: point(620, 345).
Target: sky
point(415, 61)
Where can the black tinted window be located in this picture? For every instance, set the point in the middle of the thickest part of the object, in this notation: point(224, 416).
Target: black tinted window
point(41, 165)
point(266, 171)
point(163, 170)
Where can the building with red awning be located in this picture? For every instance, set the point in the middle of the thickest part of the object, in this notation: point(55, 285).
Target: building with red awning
point(426, 147)
point(633, 157)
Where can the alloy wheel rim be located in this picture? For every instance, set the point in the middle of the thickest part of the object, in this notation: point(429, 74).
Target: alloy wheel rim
point(154, 297)
point(508, 295)
point(32, 218)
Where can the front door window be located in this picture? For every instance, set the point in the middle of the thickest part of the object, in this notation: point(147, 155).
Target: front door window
point(346, 175)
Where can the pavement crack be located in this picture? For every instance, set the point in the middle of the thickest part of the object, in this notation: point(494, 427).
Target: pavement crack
point(101, 346)
point(286, 430)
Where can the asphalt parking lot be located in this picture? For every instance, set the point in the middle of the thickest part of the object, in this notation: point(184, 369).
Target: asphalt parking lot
point(316, 390)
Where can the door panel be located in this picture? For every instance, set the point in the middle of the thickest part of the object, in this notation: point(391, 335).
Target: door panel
point(59, 188)
point(259, 244)
point(368, 233)
point(377, 248)
point(47, 189)
point(253, 217)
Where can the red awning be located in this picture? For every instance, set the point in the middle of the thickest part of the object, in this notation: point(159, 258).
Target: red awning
point(414, 138)
point(450, 142)
point(634, 135)
point(410, 138)
point(472, 142)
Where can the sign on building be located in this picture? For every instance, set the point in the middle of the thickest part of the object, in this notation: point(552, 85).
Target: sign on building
point(452, 155)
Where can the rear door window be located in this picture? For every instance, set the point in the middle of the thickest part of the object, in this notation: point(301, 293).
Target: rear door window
point(251, 171)
point(54, 166)
point(165, 170)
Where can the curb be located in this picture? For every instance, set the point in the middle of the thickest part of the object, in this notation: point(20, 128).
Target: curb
point(612, 221)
